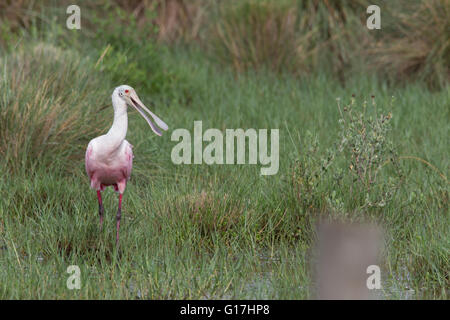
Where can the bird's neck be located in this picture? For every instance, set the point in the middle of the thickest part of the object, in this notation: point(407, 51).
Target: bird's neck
point(118, 130)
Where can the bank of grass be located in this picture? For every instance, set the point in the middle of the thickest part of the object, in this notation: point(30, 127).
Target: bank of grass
point(300, 37)
point(198, 231)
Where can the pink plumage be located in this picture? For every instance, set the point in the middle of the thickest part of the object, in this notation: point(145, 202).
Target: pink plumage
point(109, 158)
point(113, 170)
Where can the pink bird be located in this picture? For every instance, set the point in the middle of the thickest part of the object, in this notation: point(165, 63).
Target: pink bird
point(109, 158)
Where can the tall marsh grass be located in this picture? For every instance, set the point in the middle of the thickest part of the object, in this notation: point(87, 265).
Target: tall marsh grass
point(253, 34)
point(420, 46)
point(287, 35)
point(300, 36)
point(48, 99)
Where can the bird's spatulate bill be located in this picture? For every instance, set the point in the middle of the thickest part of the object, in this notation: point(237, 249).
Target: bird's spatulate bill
point(141, 108)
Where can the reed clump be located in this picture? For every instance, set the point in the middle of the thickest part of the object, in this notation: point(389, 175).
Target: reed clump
point(47, 106)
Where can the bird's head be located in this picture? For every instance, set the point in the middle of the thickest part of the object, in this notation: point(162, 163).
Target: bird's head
point(130, 97)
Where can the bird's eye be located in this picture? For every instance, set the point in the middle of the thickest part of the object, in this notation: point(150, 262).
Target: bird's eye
point(126, 91)
point(121, 94)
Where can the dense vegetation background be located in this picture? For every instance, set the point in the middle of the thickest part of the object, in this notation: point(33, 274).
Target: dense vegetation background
point(199, 231)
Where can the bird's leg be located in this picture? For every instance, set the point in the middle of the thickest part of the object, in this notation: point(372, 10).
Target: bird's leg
point(118, 216)
point(100, 208)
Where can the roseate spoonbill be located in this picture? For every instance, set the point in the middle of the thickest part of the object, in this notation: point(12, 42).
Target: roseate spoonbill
point(109, 157)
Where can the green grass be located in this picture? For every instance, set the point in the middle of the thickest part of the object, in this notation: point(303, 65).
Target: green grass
point(199, 231)
point(196, 231)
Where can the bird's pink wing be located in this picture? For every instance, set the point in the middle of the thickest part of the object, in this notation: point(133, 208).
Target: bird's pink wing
point(87, 161)
point(129, 164)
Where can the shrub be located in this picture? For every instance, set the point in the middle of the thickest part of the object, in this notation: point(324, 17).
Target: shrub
point(348, 176)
